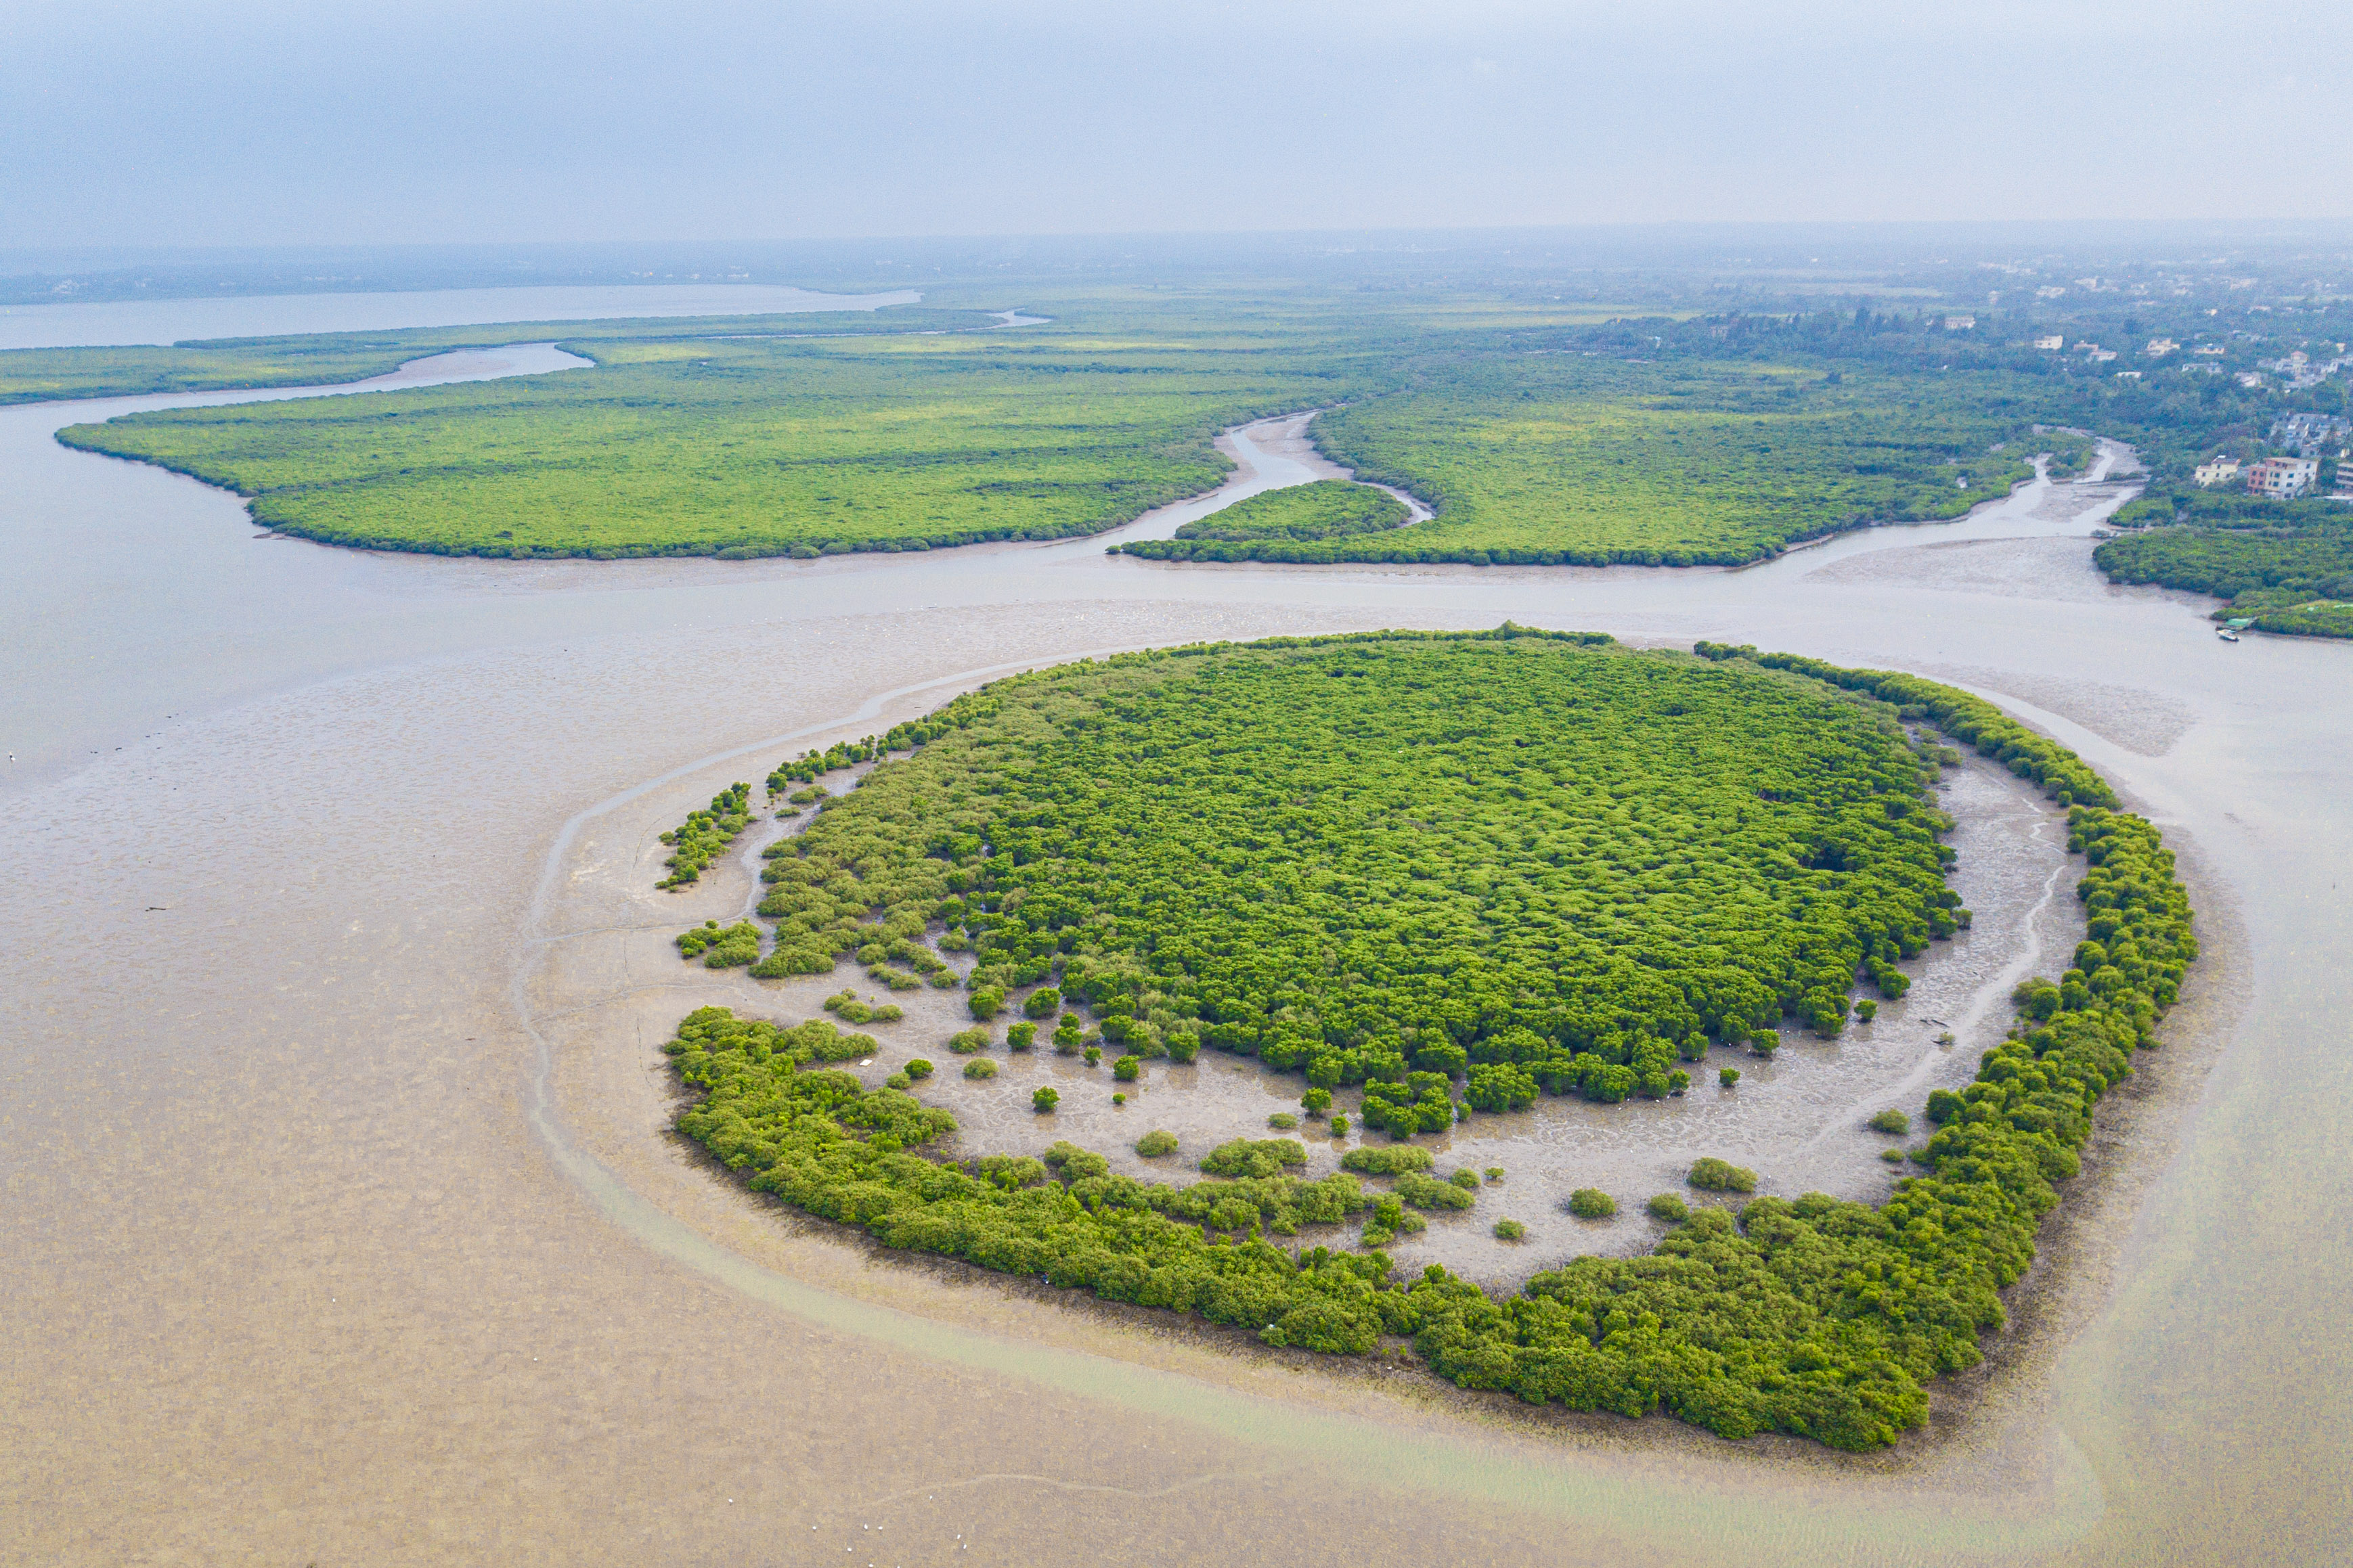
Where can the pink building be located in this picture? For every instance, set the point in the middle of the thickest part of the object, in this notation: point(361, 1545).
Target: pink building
point(2283, 479)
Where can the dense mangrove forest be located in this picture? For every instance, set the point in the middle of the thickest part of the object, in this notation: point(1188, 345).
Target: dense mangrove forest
point(1301, 523)
point(1533, 433)
point(2286, 566)
point(1461, 872)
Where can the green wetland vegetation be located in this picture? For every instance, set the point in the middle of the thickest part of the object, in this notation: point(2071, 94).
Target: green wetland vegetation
point(701, 838)
point(1535, 862)
point(1539, 434)
point(1537, 437)
point(1566, 459)
point(1294, 524)
point(2286, 565)
point(742, 446)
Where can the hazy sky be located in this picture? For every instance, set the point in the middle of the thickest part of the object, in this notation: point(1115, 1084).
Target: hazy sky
point(257, 121)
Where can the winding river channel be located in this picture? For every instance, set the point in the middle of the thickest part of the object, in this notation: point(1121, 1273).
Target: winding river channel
point(339, 1226)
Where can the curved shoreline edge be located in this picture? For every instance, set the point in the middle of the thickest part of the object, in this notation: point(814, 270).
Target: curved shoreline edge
point(2001, 1146)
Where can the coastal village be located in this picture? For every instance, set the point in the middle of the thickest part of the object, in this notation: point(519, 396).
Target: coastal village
point(2310, 452)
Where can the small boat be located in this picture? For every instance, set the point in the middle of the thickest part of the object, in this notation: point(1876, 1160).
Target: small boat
point(2226, 634)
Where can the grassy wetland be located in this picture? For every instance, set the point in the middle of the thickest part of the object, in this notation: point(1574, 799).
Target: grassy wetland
point(1399, 864)
point(1302, 522)
point(1537, 438)
point(1576, 461)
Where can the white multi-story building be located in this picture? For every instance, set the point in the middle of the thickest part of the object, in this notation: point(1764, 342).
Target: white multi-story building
point(2054, 340)
point(2283, 479)
point(2220, 472)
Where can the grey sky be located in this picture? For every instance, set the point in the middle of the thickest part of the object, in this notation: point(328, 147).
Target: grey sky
point(258, 122)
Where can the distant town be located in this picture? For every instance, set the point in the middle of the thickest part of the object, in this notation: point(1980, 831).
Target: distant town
point(2307, 444)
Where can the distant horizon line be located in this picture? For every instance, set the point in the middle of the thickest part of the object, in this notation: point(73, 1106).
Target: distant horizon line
point(2246, 228)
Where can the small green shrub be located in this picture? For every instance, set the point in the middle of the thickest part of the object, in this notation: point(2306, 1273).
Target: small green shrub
point(918, 1067)
point(1044, 1099)
point(1466, 1178)
point(965, 1042)
point(1391, 1220)
point(986, 1003)
point(1076, 1164)
point(1009, 1172)
point(1157, 1142)
point(1494, 1172)
point(1866, 1009)
point(1127, 1069)
point(1388, 1162)
point(1893, 1123)
point(1042, 1002)
point(704, 833)
point(1021, 1037)
point(1669, 1208)
point(1119, 1100)
point(1893, 1156)
point(846, 1005)
point(1241, 1157)
point(980, 1068)
point(1430, 1193)
point(1764, 1043)
point(898, 1080)
point(1094, 1056)
point(1510, 1230)
point(718, 949)
point(1591, 1203)
point(1283, 1119)
point(1339, 1127)
point(1715, 1175)
point(1728, 1077)
point(1316, 1101)
point(1184, 1047)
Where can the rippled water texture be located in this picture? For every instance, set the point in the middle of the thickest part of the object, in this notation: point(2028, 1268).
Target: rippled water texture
point(312, 1255)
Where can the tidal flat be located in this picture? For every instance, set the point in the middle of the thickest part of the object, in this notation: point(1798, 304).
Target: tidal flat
point(318, 1259)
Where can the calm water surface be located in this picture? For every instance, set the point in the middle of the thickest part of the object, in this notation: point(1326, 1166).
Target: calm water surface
point(339, 1228)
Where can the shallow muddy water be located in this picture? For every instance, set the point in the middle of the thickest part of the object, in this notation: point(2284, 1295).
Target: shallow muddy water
point(315, 1258)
